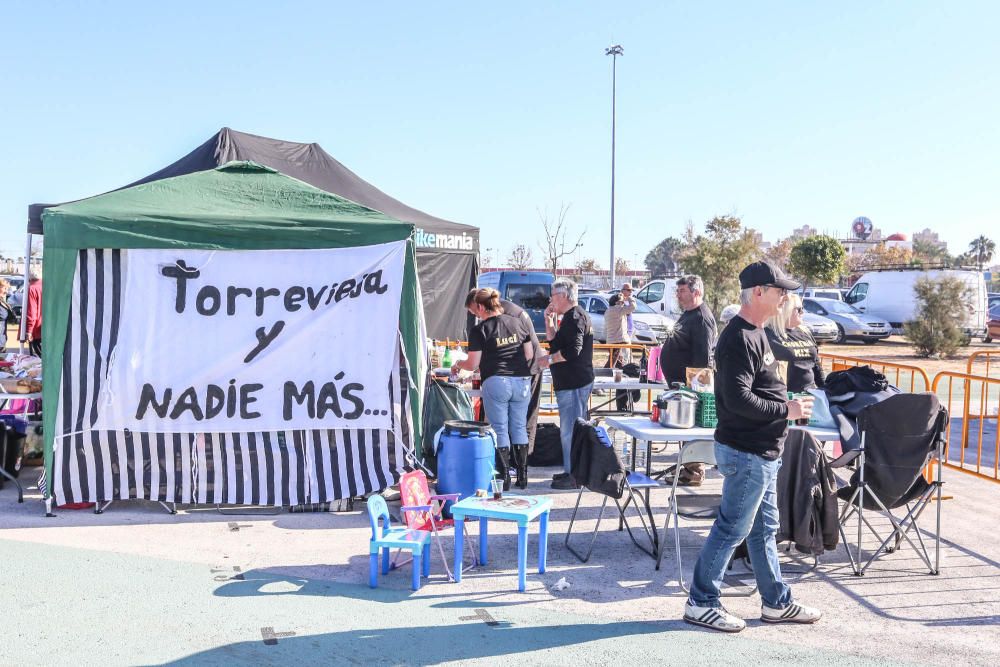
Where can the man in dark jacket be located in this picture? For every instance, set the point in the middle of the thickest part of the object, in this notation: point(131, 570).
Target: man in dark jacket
point(753, 409)
point(691, 345)
point(571, 360)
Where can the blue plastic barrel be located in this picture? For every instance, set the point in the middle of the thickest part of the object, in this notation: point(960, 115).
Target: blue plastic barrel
point(465, 454)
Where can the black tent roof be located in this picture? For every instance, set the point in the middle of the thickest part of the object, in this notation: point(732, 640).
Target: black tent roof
point(306, 162)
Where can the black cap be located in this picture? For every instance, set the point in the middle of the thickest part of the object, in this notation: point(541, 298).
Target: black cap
point(765, 274)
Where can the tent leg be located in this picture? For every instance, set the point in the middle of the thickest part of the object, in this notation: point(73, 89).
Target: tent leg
point(48, 506)
point(24, 303)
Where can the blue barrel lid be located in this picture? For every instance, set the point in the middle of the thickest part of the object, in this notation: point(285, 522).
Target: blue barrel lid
point(463, 427)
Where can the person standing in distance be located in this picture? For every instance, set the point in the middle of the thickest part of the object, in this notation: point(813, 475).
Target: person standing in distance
point(33, 313)
point(691, 345)
point(571, 360)
point(620, 306)
point(753, 411)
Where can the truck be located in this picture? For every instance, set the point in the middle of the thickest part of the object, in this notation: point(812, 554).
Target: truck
point(890, 294)
point(528, 289)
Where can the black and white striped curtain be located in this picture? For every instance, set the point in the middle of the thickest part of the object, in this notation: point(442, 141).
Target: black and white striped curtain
point(268, 468)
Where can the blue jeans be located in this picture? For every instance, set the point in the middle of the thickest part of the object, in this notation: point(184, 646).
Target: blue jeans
point(505, 400)
point(749, 511)
point(573, 404)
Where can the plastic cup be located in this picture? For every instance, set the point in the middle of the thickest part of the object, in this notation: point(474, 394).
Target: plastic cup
point(497, 485)
point(618, 375)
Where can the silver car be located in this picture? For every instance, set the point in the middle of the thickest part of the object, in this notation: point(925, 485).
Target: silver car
point(649, 328)
point(852, 324)
point(823, 329)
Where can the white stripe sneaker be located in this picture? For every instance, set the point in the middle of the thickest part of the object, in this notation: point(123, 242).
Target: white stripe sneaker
point(716, 618)
point(793, 613)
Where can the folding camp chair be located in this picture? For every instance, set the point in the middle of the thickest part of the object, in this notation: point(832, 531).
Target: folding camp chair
point(899, 437)
point(699, 505)
point(596, 466)
point(422, 511)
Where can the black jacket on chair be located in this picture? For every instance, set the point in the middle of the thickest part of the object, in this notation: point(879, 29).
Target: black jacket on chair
point(594, 464)
point(807, 495)
point(851, 391)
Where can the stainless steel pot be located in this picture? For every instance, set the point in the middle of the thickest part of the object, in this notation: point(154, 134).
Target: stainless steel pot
point(677, 408)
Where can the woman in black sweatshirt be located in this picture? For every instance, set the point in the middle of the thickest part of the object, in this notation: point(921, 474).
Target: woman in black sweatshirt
point(792, 342)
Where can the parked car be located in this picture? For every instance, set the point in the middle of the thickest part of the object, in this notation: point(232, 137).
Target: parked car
point(852, 324)
point(661, 295)
point(16, 296)
point(993, 325)
point(649, 327)
point(823, 293)
point(823, 329)
point(527, 289)
point(993, 299)
point(890, 295)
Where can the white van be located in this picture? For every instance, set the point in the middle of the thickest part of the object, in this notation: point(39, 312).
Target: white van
point(822, 293)
point(890, 294)
point(660, 294)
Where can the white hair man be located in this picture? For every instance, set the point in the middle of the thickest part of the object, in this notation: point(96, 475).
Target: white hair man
point(571, 360)
point(753, 410)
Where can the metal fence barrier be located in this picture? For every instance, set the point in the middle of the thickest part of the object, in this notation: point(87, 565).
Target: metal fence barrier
point(908, 378)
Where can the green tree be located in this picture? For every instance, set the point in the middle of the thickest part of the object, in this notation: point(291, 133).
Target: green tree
point(930, 252)
point(981, 251)
point(941, 308)
point(817, 259)
point(664, 259)
point(718, 256)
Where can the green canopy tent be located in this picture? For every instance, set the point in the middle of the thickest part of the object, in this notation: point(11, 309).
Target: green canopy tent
point(240, 206)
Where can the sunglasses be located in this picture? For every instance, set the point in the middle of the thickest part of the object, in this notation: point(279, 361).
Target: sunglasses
point(799, 310)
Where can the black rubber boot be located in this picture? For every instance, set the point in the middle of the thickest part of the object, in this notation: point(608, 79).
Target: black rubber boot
point(503, 466)
point(520, 454)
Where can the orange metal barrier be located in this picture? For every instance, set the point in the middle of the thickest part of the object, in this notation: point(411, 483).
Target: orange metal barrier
point(986, 355)
point(974, 397)
point(907, 378)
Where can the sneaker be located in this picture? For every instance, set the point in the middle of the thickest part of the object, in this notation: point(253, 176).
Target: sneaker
point(716, 618)
point(793, 613)
point(564, 483)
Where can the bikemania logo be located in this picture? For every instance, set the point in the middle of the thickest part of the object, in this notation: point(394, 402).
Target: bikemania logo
point(444, 241)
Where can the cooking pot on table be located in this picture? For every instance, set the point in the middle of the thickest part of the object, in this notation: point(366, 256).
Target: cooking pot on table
point(677, 408)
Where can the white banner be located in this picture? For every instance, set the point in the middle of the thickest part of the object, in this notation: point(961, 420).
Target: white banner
point(257, 340)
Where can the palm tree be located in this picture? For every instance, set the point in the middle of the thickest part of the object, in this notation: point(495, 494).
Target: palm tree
point(982, 250)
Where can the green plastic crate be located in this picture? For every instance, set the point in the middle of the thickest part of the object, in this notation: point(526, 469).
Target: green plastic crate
point(705, 416)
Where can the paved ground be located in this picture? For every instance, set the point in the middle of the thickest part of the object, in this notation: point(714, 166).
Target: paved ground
point(138, 586)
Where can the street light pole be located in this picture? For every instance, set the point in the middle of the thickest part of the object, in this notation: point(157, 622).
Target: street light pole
point(614, 52)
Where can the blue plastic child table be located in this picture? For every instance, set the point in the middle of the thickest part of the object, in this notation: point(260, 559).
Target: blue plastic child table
point(522, 509)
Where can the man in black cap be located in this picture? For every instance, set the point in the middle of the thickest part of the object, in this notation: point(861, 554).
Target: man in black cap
point(753, 411)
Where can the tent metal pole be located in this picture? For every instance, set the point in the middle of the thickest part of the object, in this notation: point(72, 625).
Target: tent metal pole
point(24, 296)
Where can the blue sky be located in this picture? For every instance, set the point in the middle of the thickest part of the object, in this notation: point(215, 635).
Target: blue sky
point(785, 113)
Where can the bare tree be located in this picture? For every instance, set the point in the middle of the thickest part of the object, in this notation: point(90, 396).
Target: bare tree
point(520, 257)
point(556, 247)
